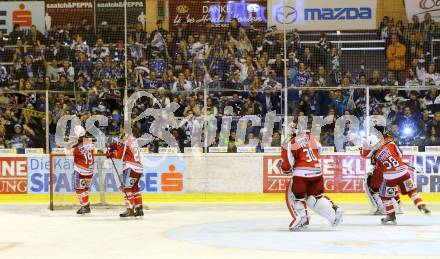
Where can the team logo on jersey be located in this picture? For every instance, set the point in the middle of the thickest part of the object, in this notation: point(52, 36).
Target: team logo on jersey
point(390, 191)
point(383, 154)
point(409, 184)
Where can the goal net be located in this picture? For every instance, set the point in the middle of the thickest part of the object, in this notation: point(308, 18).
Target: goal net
point(104, 190)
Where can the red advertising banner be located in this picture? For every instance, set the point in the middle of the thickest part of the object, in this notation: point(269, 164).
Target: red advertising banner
point(13, 175)
point(220, 13)
point(342, 173)
point(61, 12)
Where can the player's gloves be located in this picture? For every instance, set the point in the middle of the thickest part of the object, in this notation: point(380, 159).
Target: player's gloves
point(373, 161)
point(109, 153)
point(111, 149)
point(280, 167)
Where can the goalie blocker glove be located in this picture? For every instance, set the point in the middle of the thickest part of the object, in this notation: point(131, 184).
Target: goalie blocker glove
point(280, 167)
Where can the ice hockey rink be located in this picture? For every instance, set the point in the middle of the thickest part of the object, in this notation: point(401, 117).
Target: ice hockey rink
point(212, 230)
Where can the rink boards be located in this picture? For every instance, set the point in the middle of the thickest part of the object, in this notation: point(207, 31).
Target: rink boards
point(220, 177)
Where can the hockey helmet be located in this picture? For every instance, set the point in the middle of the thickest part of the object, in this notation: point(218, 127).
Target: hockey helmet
point(370, 145)
point(79, 131)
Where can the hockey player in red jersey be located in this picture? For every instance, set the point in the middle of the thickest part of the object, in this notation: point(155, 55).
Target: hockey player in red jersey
point(372, 182)
point(388, 160)
point(128, 151)
point(83, 162)
point(301, 157)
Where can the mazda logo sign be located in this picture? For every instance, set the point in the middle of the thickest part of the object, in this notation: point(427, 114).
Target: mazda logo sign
point(286, 14)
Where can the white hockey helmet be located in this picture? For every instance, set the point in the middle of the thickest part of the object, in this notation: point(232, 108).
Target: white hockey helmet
point(370, 144)
point(292, 128)
point(79, 131)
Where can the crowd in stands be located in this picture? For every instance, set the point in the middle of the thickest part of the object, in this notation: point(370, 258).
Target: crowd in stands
point(238, 66)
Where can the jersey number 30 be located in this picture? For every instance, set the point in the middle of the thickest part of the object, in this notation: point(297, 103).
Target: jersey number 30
point(310, 155)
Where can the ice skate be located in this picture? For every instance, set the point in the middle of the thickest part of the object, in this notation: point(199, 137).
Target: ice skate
point(378, 208)
point(139, 211)
point(389, 220)
point(302, 225)
point(127, 213)
point(84, 210)
point(424, 209)
point(299, 227)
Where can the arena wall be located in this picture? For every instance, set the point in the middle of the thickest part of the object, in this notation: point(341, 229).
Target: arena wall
point(214, 177)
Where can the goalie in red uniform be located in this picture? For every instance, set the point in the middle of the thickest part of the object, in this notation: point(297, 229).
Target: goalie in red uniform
point(388, 160)
point(128, 152)
point(83, 162)
point(301, 156)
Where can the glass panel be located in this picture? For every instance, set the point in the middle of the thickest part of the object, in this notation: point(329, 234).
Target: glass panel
point(92, 60)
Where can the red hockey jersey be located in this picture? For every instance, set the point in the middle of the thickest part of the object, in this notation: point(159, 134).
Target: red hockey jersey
point(128, 151)
point(302, 155)
point(388, 159)
point(83, 158)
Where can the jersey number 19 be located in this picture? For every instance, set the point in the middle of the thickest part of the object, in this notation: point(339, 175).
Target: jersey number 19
point(88, 158)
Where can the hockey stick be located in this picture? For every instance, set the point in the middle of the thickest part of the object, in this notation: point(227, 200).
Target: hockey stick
point(117, 172)
point(120, 180)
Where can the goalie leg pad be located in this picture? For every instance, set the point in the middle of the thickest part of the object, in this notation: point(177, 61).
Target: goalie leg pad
point(397, 204)
point(380, 207)
point(373, 196)
point(323, 207)
point(297, 208)
point(369, 192)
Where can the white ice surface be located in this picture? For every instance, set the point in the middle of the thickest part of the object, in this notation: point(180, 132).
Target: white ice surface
point(212, 231)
